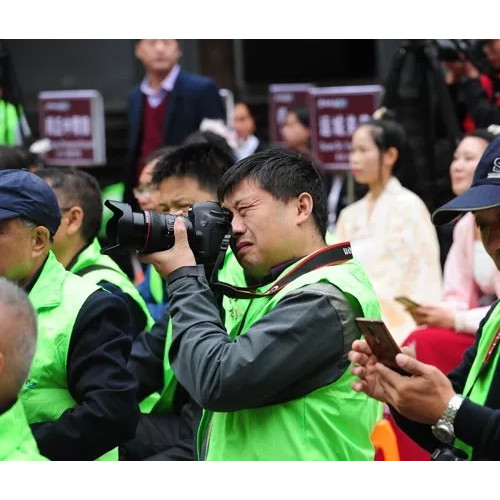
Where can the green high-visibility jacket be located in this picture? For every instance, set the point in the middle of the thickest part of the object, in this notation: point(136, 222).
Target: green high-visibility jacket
point(57, 297)
point(16, 440)
point(479, 385)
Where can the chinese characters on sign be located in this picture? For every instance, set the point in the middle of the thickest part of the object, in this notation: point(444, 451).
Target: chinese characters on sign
point(336, 112)
point(73, 120)
point(281, 99)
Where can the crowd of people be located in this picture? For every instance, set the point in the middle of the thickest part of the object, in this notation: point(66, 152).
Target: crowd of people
point(225, 328)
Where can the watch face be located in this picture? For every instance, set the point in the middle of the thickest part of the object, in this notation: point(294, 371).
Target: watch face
point(443, 432)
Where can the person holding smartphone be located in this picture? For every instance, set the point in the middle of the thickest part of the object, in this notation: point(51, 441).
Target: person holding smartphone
point(471, 280)
point(457, 415)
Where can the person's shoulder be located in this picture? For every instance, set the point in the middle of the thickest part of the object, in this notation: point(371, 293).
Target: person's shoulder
point(194, 80)
point(407, 198)
point(352, 208)
point(102, 299)
point(135, 91)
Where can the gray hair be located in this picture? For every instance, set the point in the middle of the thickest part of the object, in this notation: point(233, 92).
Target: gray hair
point(20, 345)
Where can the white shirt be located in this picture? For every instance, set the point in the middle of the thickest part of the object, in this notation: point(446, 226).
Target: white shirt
point(156, 96)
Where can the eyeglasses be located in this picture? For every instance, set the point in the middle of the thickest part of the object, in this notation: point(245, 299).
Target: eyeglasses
point(141, 191)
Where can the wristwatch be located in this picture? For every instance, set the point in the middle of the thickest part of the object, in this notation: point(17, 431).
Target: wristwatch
point(443, 429)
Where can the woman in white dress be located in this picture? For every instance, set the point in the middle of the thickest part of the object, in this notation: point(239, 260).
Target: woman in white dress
point(390, 228)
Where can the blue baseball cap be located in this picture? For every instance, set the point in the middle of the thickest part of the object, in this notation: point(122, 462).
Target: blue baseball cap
point(23, 194)
point(484, 192)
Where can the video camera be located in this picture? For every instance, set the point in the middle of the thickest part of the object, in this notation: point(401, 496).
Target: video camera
point(207, 224)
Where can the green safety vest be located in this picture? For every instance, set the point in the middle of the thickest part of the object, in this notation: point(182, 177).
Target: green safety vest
point(16, 440)
point(57, 298)
point(156, 285)
point(113, 192)
point(109, 272)
point(9, 124)
point(481, 386)
point(332, 423)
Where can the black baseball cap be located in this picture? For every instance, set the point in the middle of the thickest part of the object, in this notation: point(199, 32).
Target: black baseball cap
point(23, 194)
point(484, 192)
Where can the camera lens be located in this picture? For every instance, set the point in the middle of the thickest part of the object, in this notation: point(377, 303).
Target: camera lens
point(144, 231)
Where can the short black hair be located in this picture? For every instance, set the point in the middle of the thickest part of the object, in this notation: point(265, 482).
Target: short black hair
point(16, 157)
point(204, 162)
point(158, 153)
point(81, 189)
point(207, 136)
point(285, 175)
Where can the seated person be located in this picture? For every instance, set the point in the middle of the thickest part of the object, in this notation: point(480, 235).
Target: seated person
point(17, 347)
point(471, 280)
point(185, 176)
point(390, 228)
point(76, 246)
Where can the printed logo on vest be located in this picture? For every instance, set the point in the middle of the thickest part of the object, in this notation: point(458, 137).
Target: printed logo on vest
point(30, 384)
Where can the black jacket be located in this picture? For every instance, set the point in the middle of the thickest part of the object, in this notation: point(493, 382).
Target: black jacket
point(106, 392)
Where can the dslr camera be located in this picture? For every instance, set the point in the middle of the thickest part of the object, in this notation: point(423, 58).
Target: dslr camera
point(207, 224)
point(453, 50)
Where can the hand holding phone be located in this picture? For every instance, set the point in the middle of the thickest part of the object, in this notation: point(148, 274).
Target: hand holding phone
point(381, 342)
point(408, 303)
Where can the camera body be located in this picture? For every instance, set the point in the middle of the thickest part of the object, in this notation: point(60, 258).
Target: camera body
point(207, 223)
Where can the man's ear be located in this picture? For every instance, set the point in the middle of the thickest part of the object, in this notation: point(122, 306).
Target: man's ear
point(74, 220)
point(2, 363)
point(304, 206)
point(41, 240)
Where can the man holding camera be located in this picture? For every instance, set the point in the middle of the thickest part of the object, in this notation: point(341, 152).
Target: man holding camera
point(273, 380)
point(457, 416)
point(477, 91)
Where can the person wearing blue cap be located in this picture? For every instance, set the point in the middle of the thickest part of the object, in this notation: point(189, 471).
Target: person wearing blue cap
point(79, 397)
point(457, 415)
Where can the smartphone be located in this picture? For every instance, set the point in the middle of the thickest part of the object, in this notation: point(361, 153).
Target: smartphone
point(408, 303)
point(381, 342)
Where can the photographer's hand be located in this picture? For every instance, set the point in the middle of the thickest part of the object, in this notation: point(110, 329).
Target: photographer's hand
point(180, 255)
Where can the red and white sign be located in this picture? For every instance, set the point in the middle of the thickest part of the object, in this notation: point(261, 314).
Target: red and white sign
point(283, 97)
point(336, 112)
point(73, 120)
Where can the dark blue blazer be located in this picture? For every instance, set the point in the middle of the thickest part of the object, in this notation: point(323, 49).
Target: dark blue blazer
point(193, 98)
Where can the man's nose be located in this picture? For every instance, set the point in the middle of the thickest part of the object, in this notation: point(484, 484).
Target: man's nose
point(237, 225)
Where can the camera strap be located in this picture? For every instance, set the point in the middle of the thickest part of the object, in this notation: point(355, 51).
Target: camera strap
point(329, 256)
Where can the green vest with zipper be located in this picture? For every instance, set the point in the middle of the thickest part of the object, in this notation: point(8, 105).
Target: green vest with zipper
point(57, 297)
point(331, 423)
point(16, 440)
point(481, 384)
